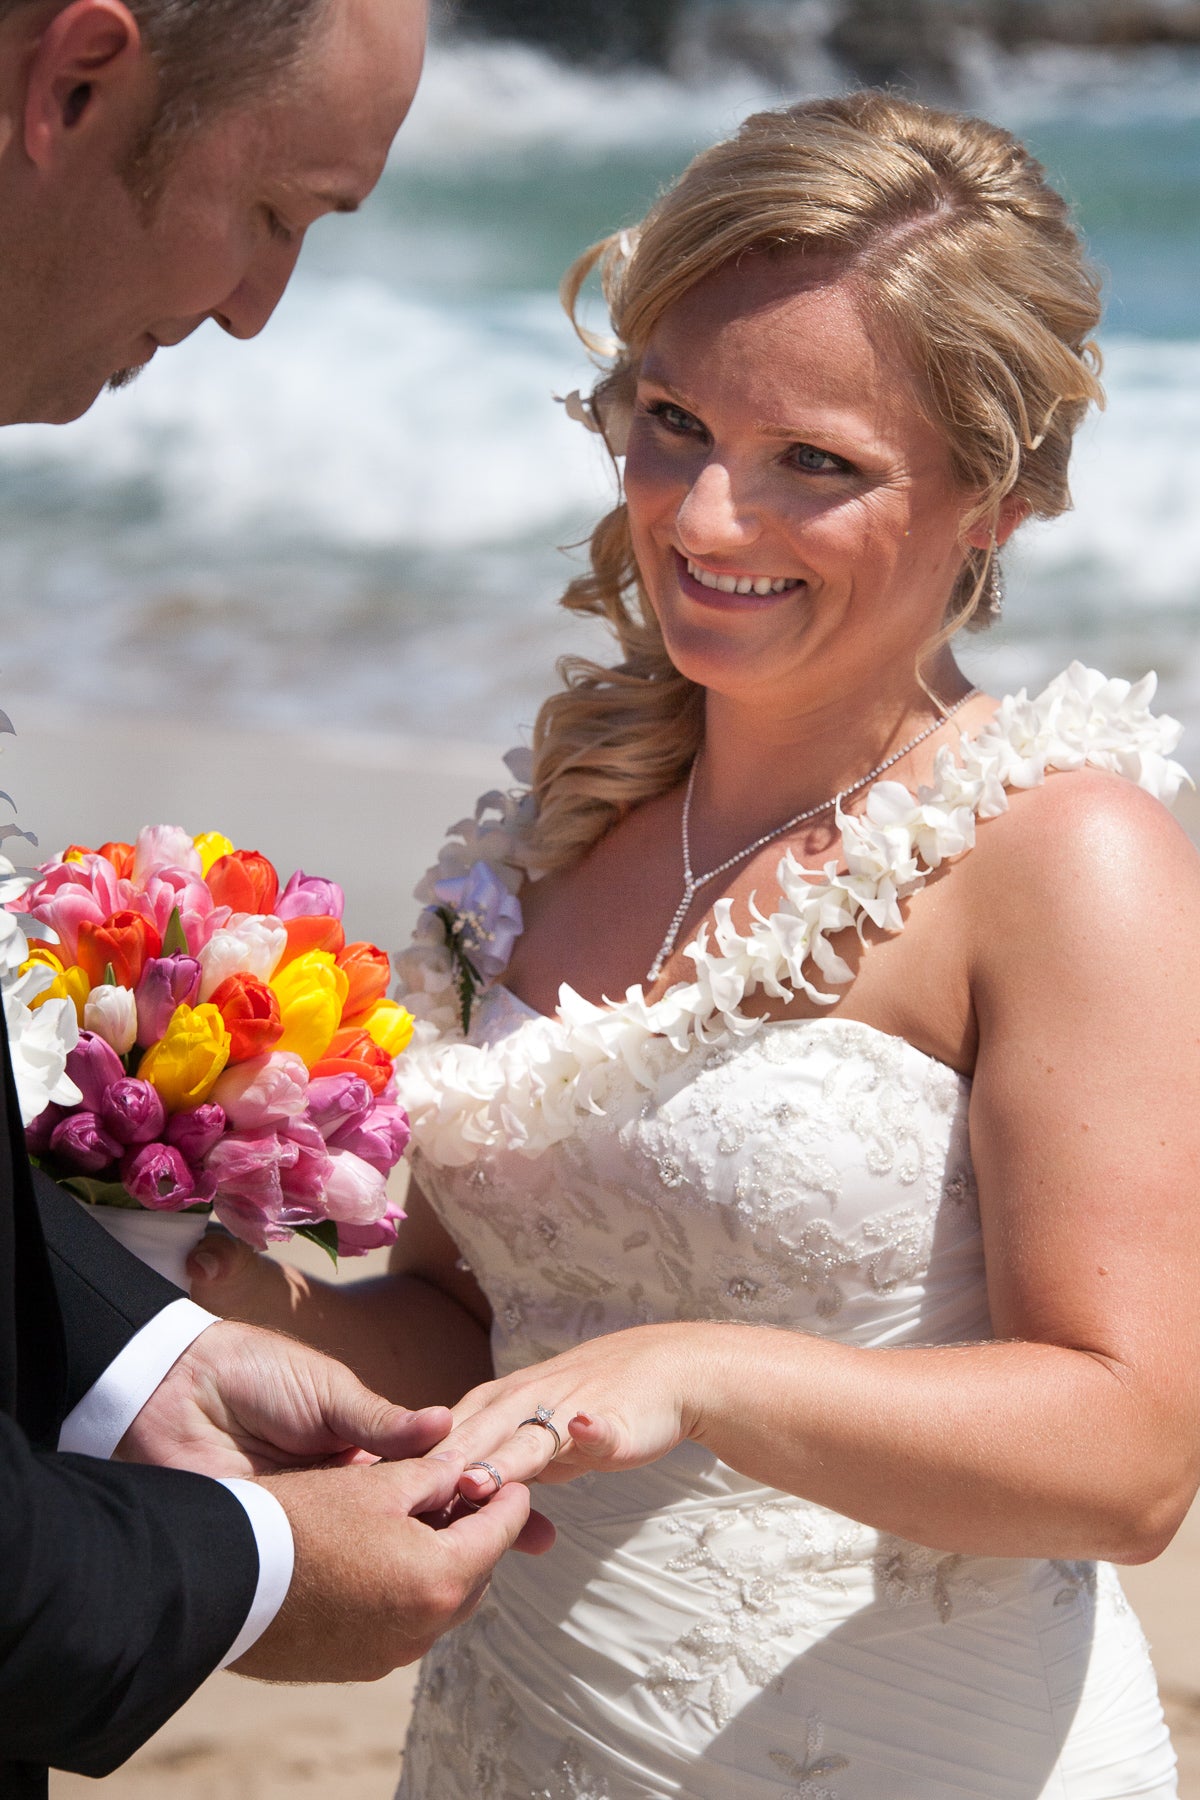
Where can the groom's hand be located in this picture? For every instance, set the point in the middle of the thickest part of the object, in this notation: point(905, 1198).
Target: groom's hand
point(243, 1401)
point(375, 1584)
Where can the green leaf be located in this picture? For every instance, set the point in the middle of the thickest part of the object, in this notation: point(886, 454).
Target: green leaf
point(324, 1234)
point(174, 939)
point(110, 975)
point(101, 1193)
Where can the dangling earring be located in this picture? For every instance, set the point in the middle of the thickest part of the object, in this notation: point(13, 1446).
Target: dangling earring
point(993, 593)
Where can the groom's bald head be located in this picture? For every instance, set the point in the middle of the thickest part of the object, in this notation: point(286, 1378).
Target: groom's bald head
point(206, 53)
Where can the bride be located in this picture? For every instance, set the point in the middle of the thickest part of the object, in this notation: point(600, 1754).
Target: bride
point(850, 1257)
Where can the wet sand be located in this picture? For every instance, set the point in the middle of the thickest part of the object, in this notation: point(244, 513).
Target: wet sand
point(369, 811)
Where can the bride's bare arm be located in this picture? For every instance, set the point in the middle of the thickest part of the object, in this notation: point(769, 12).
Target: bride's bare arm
point(1075, 1434)
point(417, 1334)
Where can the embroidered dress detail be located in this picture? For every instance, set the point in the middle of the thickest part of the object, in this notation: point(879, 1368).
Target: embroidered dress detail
point(529, 1090)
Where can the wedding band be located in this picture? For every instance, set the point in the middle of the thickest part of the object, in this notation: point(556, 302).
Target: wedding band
point(495, 1474)
point(542, 1416)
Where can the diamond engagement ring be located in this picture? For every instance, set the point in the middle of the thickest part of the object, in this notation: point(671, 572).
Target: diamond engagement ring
point(542, 1416)
point(495, 1474)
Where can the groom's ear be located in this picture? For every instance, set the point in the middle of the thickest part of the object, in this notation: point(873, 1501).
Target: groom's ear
point(88, 68)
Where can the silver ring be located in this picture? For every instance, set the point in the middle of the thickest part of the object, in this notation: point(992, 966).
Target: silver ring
point(495, 1474)
point(542, 1416)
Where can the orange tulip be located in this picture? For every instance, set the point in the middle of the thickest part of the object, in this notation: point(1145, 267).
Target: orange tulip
point(77, 852)
point(352, 1052)
point(244, 881)
point(315, 933)
point(120, 856)
point(369, 972)
point(127, 941)
point(251, 1014)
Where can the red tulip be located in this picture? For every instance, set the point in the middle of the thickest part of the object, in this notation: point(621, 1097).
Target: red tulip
point(251, 1013)
point(244, 881)
point(368, 971)
point(127, 942)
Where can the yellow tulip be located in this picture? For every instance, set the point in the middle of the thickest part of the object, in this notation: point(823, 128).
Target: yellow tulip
point(389, 1025)
point(311, 991)
point(212, 846)
point(69, 983)
point(188, 1058)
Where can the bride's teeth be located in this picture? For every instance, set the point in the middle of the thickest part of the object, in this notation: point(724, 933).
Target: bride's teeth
point(761, 585)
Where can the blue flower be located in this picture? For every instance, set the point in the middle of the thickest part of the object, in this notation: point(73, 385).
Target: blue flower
point(487, 918)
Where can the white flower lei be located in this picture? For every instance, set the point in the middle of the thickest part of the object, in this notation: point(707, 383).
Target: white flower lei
point(527, 1091)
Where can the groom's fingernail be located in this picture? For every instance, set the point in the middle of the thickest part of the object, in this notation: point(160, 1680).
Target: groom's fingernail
point(201, 1262)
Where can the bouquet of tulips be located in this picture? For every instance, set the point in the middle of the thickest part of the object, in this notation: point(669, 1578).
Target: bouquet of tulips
point(229, 1049)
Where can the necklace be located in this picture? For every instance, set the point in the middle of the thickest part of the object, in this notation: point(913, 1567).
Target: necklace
point(693, 883)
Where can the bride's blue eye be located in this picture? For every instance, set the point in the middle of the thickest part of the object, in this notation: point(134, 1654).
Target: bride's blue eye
point(674, 418)
point(817, 462)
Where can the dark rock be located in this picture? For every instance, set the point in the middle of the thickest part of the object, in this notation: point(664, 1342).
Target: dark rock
point(580, 30)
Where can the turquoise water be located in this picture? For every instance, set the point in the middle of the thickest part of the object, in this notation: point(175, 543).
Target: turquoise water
point(356, 517)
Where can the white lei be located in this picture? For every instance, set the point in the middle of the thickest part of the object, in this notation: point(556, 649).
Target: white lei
point(528, 1091)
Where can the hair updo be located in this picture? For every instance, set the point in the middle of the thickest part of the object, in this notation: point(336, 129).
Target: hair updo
point(960, 252)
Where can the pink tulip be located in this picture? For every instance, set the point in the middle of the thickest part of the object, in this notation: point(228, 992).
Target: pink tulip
point(267, 1090)
point(195, 1133)
point(355, 1193)
point(167, 982)
point(132, 1112)
point(305, 1165)
point(336, 1102)
point(168, 889)
point(93, 1066)
point(162, 847)
point(310, 896)
point(69, 893)
point(380, 1138)
point(159, 1177)
point(250, 1200)
point(358, 1240)
point(82, 1143)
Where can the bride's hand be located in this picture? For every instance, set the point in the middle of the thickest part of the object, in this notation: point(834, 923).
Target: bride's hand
point(230, 1279)
point(616, 1402)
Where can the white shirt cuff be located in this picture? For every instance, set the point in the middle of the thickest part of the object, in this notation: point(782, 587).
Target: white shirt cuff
point(276, 1561)
point(100, 1420)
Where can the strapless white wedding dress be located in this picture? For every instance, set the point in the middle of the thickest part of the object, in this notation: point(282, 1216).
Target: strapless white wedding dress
point(693, 1633)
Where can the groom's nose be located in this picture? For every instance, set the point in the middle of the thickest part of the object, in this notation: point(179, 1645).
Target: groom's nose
point(245, 311)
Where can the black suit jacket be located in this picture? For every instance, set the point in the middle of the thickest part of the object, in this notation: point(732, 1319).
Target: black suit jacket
point(121, 1587)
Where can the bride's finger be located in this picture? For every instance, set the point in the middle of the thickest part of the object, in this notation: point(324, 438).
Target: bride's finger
point(528, 1450)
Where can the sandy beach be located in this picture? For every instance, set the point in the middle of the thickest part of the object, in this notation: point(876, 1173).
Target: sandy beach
point(369, 810)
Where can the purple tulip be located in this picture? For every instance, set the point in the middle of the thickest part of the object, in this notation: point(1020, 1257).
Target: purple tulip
point(489, 917)
point(358, 1240)
point(159, 1177)
point(380, 1139)
point(336, 1102)
point(82, 1143)
point(310, 896)
point(132, 1112)
point(167, 982)
point(195, 1133)
point(41, 1130)
point(93, 1066)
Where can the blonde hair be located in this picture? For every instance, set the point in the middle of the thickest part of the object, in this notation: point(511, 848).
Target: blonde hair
point(960, 251)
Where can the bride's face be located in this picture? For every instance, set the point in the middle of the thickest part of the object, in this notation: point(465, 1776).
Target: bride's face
point(777, 445)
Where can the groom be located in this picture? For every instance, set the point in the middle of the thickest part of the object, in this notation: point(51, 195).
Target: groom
point(160, 162)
